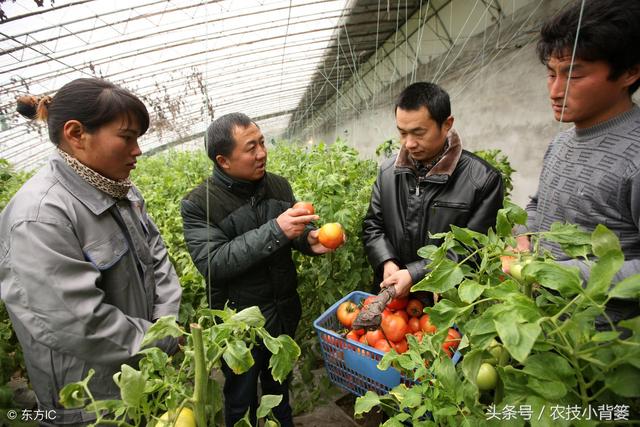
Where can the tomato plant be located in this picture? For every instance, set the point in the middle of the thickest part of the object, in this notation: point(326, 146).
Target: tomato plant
point(549, 350)
point(181, 384)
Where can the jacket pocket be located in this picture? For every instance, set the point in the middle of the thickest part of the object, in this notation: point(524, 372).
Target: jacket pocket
point(105, 253)
point(447, 213)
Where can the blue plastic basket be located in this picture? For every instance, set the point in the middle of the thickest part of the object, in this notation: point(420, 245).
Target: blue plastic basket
point(351, 365)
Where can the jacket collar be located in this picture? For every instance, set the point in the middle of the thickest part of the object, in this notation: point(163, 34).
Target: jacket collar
point(95, 200)
point(238, 186)
point(445, 166)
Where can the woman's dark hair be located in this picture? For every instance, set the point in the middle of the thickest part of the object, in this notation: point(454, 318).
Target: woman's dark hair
point(429, 95)
point(609, 31)
point(92, 102)
point(219, 137)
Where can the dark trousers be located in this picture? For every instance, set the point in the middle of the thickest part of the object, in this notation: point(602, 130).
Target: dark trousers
point(241, 391)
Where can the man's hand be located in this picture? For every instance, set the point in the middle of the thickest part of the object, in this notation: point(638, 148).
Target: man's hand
point(389, 268)
point(401, 280)
point(317, 247)
point(293, 221)
point(523, 245)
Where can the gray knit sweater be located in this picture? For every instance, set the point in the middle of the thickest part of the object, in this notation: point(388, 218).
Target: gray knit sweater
point(590, 177)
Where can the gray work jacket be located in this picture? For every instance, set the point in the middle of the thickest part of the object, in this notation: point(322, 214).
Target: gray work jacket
point(83, 276)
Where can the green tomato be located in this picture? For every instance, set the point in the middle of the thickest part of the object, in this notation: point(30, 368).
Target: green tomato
point(500, 356)
point(515, 270)
point(186, 418)
point(487, 378)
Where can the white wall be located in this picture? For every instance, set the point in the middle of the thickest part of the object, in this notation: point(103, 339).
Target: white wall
point(498, 96)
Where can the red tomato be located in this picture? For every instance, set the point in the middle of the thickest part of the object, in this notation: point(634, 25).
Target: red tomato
point(402, 314)
point(352, 335)
point(347, 313)
point(386, 312)
point(305, 205)
point(363, 339)
point(398, 303)
point(415, 307)
point(394, 327)
point(452, 341)
point(383, 346)
point(414, 325)
point(426, 326)
point(374, 336)
point(401, 346)
point(359, 331)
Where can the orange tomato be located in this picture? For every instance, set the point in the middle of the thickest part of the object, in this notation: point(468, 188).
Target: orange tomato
point(347, 313)
point(305, 205)
point(401, 346)
point(426, 326)
point(414, 325)
point(382, 345)
point(331, 235)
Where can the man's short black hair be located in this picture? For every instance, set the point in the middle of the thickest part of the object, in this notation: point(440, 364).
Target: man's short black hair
point(429, 95)
point(609, 31)
point(219, 137)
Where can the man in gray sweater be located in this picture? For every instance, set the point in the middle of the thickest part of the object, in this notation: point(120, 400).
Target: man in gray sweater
point(591, 172)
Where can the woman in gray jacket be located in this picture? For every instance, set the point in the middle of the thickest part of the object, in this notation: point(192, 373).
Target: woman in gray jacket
point(83, 269)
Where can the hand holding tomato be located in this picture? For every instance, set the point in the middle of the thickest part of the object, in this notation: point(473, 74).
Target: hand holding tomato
point(308, 206)
point(292, 222)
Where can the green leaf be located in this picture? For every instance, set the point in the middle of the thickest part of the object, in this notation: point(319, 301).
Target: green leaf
point(366, 403)
point(552, 275)
point(550, 366)
point(602, 274)
point(605, 336)
point(73, 395)
point(462, 235)
point(427, 252)
point(282, 362)
point(446, 275)
point(132, 383)
point(238, 357)
point(444, 312)
point(604, 241)
point(163, 327)
point(252, 316)
point(627, 288)
point(244, 421)
point(573, 241)
point(518, 338)
point(470, 290)
point(624, 381)
point(267, 403)
point(631, 324)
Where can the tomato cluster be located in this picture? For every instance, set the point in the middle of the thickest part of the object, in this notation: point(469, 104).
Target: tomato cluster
point(401, 317)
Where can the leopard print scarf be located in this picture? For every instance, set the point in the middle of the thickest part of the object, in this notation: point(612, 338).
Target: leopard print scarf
point(116, 189)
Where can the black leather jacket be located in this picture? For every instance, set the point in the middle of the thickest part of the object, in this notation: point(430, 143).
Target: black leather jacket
point(461, 189)
point(231, 232)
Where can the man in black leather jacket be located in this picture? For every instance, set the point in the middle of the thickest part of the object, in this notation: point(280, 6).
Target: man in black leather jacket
point(430, 185)
point(240, 229)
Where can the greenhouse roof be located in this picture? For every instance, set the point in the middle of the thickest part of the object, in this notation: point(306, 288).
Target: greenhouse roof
point(188, 60)
point(282, 62)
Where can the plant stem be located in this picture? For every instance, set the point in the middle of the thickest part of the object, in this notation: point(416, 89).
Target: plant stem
point(201, 376)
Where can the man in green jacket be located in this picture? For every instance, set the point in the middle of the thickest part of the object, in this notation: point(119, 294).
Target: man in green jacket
point(240, 229)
